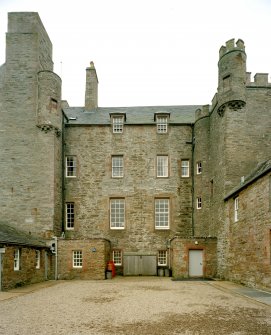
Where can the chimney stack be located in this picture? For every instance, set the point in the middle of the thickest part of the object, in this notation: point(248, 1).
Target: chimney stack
point(91, 94)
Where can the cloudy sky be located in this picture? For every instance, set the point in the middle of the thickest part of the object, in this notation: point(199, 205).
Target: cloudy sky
point(147, 52)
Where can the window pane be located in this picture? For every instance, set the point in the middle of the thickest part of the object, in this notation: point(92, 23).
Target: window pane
point(236, 208)
point(117, 166)
point(117, 257)
point(161, 124)
point(162, 257)
point(17, 259)
point(77, 259)
point(199, 203)
point(199, 168)
point(70, 166)
point(117, 124)
point(117, 213)
point(37, 259)
point(162, 166)
point(70, 215)
point(185, 168)
point(162, 213)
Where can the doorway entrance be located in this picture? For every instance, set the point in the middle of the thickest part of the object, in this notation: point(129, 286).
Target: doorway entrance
point(195, 263)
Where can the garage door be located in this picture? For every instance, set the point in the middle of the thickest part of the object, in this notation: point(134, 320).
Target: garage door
point(139, 265)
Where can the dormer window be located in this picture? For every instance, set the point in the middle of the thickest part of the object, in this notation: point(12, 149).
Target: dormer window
point(117, 123)
point(161, 122)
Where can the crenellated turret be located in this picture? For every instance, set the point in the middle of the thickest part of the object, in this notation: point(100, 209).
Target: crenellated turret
point(232, 76)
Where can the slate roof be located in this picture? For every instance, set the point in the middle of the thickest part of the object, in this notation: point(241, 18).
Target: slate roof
point(261, 170)
point(134, 115)
point(10, 235)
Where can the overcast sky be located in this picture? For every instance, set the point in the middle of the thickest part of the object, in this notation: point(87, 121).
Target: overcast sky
point(147, 52)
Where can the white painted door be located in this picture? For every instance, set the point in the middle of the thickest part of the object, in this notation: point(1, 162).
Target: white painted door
point(195, 263)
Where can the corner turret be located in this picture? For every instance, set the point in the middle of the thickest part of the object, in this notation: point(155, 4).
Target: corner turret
point(232, 75)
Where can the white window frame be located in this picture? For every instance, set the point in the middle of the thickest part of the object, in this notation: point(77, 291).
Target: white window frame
point(162, 124)
point(199, 167)
point(162, 258)
point(77, 259)
point(117, 213)
point(117, 257)
point(70, 215)
point(185, 166)
point(117, 123)
point(162, 212)
point(70, 166)
point(117, 166)
point(17, 259)
point(162, 166)
point(37, 259)
point(236, 209)
point(199, 203)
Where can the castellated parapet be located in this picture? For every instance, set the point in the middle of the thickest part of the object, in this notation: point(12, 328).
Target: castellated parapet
point(202, 112)
point(231, 46)
point(260, 80)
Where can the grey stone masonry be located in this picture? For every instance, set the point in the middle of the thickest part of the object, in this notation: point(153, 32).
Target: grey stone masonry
point(91, 93)
point(202, 154)
point(93, 187)
point(30, 141)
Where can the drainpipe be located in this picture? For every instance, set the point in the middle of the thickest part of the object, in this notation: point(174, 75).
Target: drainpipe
point(168, 244)
point(56, 257)
point(192, 142)
point(0, 271)
point(193, 182)
point(2, 251)
point(63, 169)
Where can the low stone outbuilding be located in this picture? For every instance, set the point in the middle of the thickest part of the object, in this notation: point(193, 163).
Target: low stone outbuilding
point(248, 220)
point(25, 259)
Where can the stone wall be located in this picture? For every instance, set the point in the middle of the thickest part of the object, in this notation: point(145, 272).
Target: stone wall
point(27, 274)
point(95, 255)
point(180, 256)
point(249, 258)
point(93, 187)
point(239, 126)
point(202, 182)
point(30, 156)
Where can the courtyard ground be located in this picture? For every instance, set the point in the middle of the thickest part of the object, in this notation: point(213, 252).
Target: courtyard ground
point(134, 306)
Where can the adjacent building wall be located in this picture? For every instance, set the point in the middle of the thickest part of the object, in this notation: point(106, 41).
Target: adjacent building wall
point(249, 257)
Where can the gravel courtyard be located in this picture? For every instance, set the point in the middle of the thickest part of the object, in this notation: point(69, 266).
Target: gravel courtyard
point(144, 305)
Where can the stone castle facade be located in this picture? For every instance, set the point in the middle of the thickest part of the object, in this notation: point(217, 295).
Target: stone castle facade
point(174, 190)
